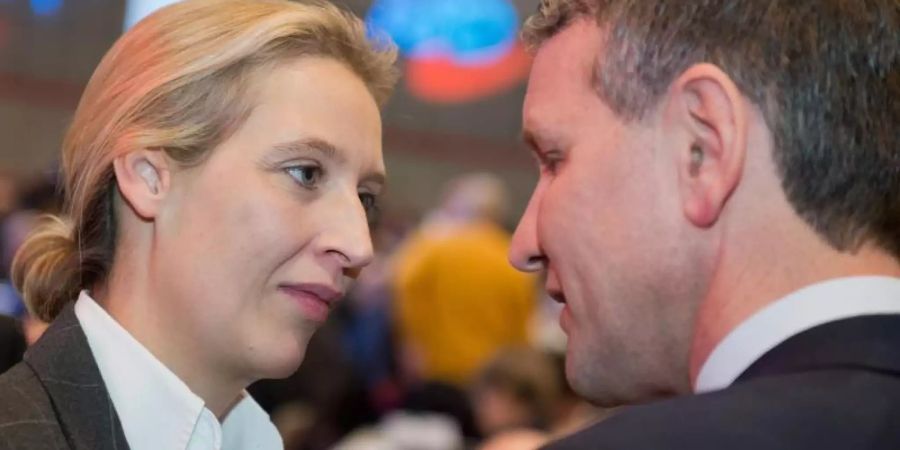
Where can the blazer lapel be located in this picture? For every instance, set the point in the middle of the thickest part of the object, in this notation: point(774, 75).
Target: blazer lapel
point(63, 362)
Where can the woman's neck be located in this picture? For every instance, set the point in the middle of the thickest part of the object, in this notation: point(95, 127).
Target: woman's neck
point(132, 305)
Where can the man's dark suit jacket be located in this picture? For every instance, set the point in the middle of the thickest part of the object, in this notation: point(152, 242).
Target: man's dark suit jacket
point(55, 398)
point(836, 386)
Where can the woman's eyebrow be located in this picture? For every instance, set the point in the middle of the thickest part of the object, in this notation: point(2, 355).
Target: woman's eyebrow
point(304, 146)
point(307, 145)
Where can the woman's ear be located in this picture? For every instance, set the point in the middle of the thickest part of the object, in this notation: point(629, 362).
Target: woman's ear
point(144, 180)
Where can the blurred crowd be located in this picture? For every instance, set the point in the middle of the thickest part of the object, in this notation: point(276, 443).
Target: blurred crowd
point(440, 345)
point(23, 199)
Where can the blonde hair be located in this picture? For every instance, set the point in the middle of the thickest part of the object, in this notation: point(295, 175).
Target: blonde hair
point(176, 82)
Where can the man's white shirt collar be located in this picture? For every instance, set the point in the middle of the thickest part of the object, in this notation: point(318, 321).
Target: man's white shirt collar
point(156, 408)
point(814, 305)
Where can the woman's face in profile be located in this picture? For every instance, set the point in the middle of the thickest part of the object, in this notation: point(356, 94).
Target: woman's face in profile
point(258, 242)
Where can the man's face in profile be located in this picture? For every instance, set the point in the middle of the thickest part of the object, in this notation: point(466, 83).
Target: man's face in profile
point(603, 221)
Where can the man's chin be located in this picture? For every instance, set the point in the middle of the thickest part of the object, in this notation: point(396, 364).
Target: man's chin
point(611, 392)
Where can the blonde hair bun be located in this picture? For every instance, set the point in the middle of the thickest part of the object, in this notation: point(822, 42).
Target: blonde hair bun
point(45, 269)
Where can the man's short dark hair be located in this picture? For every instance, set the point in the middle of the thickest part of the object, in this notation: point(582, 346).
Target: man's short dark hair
point(823, 72)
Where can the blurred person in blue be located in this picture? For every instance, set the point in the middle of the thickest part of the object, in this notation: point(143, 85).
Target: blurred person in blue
point(19, 214)
point(368, 334)
point(34, 196)
point(9, 199)
point(719, 210)
point(12, 332)
point(17, 328)
point(218, 175)
point(10, 303)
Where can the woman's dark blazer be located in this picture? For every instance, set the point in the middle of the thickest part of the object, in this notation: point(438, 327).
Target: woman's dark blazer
point(55, 398)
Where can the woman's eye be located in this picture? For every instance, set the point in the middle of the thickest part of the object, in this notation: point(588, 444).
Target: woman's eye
point(370, 204)
point(306, 176)
point(367, 200)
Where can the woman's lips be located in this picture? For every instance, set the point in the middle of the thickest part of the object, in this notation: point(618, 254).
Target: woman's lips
point(315, 300)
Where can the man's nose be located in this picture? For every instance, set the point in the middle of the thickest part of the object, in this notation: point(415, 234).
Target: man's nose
point(525, 252)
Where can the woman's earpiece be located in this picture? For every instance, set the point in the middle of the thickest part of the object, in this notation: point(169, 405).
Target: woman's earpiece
point(150, 176)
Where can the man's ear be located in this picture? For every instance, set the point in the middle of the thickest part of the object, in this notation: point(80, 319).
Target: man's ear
point(712, 112)
point(144, 179)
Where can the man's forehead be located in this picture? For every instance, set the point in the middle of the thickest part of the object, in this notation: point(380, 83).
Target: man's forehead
point(575, 47)
point(562, 71)
point(580, 29)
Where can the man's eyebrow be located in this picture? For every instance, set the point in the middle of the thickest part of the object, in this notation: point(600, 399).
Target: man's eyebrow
point(377, 178)
point(311, 144)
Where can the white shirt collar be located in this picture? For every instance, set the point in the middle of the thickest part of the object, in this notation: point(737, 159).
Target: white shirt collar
point(156, 409)
point(799, 311)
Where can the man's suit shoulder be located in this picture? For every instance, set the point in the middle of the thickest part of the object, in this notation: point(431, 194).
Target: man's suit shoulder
point(826, 409)
point(27, 418)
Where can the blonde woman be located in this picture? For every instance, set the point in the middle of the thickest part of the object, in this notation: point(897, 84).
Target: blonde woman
point(218, 175)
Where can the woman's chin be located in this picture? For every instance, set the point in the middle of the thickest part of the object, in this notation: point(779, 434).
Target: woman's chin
point(281, 363)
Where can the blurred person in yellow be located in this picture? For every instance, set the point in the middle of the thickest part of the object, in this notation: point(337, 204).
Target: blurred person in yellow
point(219, 175)
point(458, 300)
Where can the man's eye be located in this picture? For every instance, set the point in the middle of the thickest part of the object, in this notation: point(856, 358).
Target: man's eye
point(306, 176)
point(551, 161)
point(550, 166)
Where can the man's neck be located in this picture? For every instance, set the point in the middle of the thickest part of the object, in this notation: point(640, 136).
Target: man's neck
point(745, 283)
